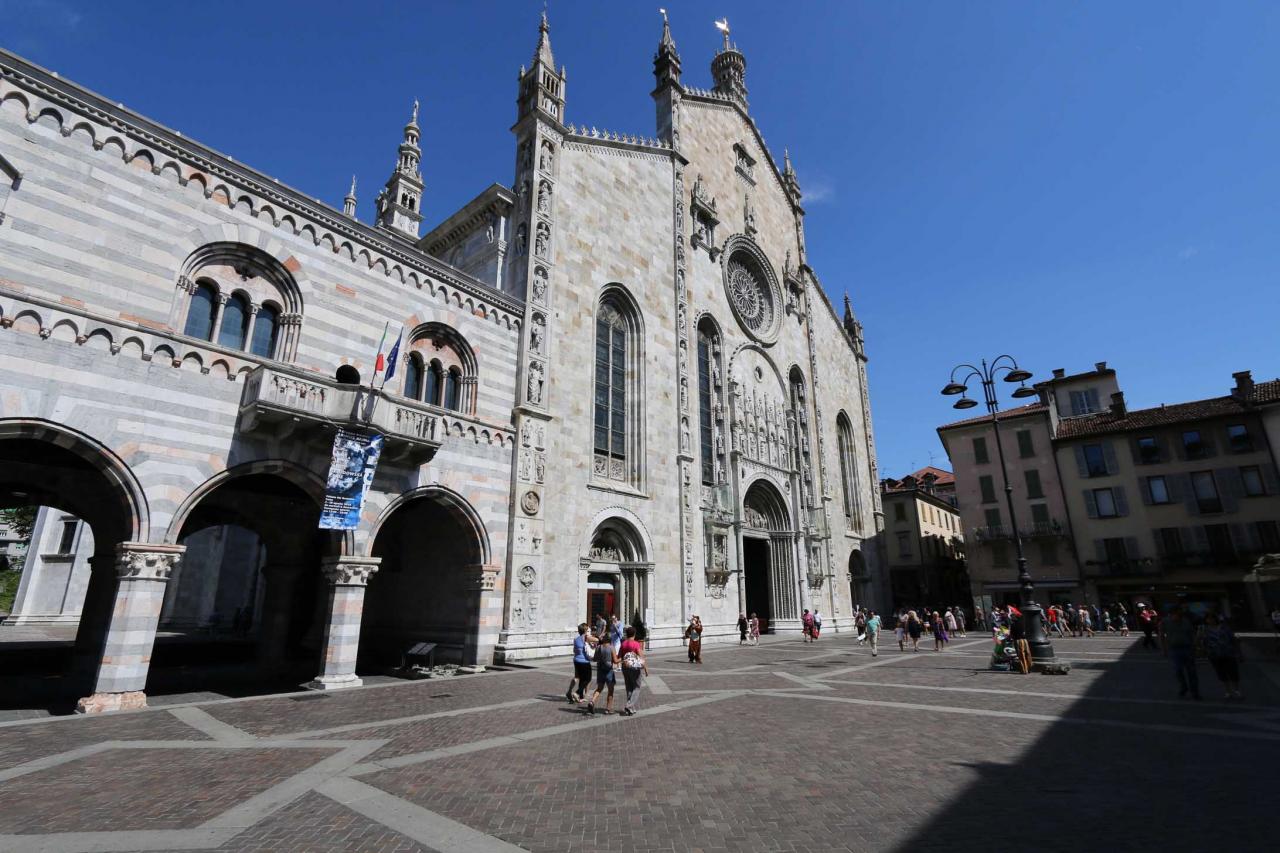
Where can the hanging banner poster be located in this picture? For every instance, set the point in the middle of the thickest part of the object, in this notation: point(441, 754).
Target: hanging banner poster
point(355, 456)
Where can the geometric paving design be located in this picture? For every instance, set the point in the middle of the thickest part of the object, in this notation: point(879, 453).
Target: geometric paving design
point(783, 747)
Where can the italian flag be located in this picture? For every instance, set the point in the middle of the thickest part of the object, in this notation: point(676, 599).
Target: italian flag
point(381, 362)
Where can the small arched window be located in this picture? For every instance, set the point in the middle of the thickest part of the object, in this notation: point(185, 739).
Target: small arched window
point(265, 327)
point(435, 379)
point(235, 322)
point(413, 377)
point(200, 312)
point(452, 388)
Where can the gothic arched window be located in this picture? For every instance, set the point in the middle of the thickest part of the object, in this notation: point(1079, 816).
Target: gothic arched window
point(452, 388)
point(200, 311)
point(235, 322)
point(616, 422)
point(265, 327)
point(435, 378)
point(413, 377)
point(848, 472)
point(708, 394)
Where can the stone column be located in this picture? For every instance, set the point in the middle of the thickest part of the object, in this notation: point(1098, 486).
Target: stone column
point(484, 623)
point(143, 572)
point(347, 577)
point(218, 308)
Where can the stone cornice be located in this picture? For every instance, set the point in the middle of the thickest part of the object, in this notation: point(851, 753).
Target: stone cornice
point(154, 137)
point(496, 199)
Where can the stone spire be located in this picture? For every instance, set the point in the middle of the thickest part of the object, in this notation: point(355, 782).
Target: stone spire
point(666, 62)
point(790, 180)
point(541, 87)
point(349, 203)
point(400, 201)
point(542, 53)
point(729, 68)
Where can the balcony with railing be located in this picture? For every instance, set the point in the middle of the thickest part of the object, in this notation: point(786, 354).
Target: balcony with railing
point(288, 404)
point(1036, 530)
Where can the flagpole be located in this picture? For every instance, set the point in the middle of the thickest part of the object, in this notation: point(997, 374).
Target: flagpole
point(373, 376)
point(396, 349)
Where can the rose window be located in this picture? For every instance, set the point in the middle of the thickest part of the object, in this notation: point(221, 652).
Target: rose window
point(750, 294)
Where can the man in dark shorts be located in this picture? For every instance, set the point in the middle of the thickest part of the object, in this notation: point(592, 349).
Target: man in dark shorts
point(581, 664)
point(606, 659)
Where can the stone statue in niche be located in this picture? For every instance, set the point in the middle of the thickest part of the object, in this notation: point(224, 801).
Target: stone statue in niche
point(523, 192)
point(539, 437)
point(540, 285)
point(538, 333)
point(536, 379)
point(524, 465)
point(540, 468)
point(488, 231)
point(684, 435)
point(547, 160)
point(544, 197)
point(542, 243)
point(522, 239)
point(749, 216)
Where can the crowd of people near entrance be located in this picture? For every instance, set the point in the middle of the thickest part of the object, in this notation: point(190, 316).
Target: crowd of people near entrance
point(610, 646)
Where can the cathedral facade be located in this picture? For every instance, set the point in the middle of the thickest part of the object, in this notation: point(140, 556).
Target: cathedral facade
point(620, 388)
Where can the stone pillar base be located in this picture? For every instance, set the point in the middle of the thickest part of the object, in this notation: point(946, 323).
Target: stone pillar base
point(100, 703)
point(334, 682)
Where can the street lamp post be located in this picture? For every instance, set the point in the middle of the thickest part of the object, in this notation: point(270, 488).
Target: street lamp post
point(1042, 656)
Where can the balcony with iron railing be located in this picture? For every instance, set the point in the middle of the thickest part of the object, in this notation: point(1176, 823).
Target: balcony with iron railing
point(1035, 530)
point(288, 404)
point(1227, 561)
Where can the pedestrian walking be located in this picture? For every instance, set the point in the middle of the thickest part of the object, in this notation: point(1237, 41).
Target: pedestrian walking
point(1086, 622)
point(860, 627)
point(583, 649)
point(1223, 651)
point(606, 660)
point(634, 669)
point(615, 632)
point(949, 621)
point(694, 635)
point(900, 633)
point(1107, 627)
point(873, 633)
point(1147, 622)
point(939, 632)
point(1177, 639)
point(914, 630)
point(1122, 622)
point(806, 625)
point(753, 630)
point(960, 622)
point(743, 627)
point(817, 624)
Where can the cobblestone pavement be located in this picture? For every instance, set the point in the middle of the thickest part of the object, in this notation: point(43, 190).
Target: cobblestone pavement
point(784, 747)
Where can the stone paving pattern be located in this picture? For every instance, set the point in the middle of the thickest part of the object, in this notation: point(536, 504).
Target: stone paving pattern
point(901, 752)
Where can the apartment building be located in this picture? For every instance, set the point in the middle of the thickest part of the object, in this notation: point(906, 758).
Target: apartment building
point(1174, 503)
point(924, 540)
point(1039, 507)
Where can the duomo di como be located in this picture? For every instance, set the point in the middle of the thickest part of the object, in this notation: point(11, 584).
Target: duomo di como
point(655, 415)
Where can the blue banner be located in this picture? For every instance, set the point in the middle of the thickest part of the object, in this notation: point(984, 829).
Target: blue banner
point(355, 456)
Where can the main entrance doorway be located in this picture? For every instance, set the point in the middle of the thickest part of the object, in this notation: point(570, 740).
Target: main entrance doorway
point(756, 571)
point(602, 596)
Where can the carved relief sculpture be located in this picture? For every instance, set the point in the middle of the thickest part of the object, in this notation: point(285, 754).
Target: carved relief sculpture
point(536, 379)
point(542, 242)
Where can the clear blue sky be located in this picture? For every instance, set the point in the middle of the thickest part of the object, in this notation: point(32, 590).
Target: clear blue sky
point(1068, 182)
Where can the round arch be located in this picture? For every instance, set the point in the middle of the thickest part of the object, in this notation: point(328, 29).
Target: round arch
point(457, 506)
point(305, 479)
point(622, 524)
point(763, 498)
point(128, 501)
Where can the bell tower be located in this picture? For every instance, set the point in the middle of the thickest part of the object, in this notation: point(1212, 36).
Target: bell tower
point(400, 201)
point(729, 68)
point(541, 87)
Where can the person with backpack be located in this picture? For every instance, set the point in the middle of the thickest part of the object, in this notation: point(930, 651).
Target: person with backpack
point(606, 660)
point(633, 668)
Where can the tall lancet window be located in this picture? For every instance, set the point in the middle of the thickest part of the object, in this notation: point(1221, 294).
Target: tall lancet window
point(616, 404)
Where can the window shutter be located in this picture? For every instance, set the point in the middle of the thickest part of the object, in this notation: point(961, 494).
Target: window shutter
point(1091, 397)
point(1131, 548)
point(1180, 448)
point(1144, 486)
point(1109, 456)
point(1158, 538)
point(1134, 452)
point(1100, 550)
point(1200, 539)
point(1270, 481)
point(1090, 505)
point(1188, 493)
point(1122, 503)
point(1242, 538)
point(1162, 444)
point(1081, 464)
point(1206, 441)
point(1173, 485)
point(1230, 488)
